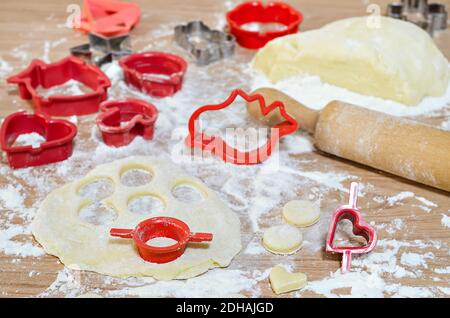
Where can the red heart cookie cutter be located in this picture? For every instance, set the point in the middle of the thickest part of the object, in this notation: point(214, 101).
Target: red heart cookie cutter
point(122, 120)
point(161, 227)
point(155, 73)
point(360, 228)
point(258, 12)
point(59, 135)
point(217, 146)
point(39, 73)
point(108, 18)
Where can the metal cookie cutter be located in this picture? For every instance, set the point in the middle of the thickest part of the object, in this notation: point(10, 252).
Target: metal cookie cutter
point(39, 73)
point(204, 44)
point(107, 17)
point(122, 120)
point(255, 23)
point(217, 146)
point(58, 134)
point(360, 228)
point(155, 73)
point(101, 50)
point(161, 227)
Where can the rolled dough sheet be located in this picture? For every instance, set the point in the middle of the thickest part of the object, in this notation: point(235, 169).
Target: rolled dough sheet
point(85, 246)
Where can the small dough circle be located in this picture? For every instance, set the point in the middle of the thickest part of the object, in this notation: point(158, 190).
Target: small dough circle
point(282, 239)
point(301, 213)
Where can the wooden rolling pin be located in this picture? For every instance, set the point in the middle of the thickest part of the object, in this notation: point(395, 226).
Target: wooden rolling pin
point(402, 147)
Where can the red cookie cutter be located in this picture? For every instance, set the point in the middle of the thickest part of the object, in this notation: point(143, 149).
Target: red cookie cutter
point(217, 146)
point(39, 73)
point(122, 120)
point(360, 228)
point(108, 18)
point(258, 12)
point(161, 227)
point(58, 134)
point(155, 73)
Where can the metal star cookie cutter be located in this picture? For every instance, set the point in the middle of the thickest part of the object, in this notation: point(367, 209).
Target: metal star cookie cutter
point(101, 50)
point(205, 44)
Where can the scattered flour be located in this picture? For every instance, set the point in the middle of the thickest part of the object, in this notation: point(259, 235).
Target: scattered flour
point(414, 259)
point(32, 139)
point(445, 220)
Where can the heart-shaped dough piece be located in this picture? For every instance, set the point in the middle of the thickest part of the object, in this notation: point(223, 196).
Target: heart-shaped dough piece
point(283, 281)
point(301, 213)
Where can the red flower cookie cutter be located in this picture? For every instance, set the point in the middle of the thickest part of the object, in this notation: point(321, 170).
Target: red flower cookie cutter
point(58, 134)
point(122, 120)
point(108, 18)
point(155, 73)
point(258, 12)
point(39, 73)
point(217, 146)
point(161, 227)
point(360, 228)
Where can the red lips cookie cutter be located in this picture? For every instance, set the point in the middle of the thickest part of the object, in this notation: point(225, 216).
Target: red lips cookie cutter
point(122, 120)
point(258, 12)
point(39, 73)
point(108, 18)
point(360, 228)
point(217, 146)
point(59, 135)
point(155, 73)
point(161, 227)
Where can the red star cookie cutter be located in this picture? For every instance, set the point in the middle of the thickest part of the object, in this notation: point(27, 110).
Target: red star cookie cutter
point(360, 228)
point(217, 146)
point(58, 134)
point(161, 227)
point(39, 73)
point(122, 120)
point(108, 18)
point(259, 12)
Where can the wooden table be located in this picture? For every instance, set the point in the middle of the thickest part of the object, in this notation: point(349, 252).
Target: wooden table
point(25, 27)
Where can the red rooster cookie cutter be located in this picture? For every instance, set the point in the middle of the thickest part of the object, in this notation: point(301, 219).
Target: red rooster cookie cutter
point(241, 18)
point(155, 73)
point(161, 227)
point(360, 228)
point(58, 134)
point(39, 73)
point(108, 18)
point(122, 120)
point(217, 146)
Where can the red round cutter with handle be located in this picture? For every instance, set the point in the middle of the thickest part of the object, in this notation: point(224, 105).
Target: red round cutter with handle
point(161, 227)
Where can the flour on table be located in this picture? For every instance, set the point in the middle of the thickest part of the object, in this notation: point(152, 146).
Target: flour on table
point(32, 139)
point(446, 220)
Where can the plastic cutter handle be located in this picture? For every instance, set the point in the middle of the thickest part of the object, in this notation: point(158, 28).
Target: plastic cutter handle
point(200, 237)
point(123, 233)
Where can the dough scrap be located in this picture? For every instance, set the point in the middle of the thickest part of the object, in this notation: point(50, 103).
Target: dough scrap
point(397, 61)
point(301, 213)
point(282, 239)
point(84, 246)
point(283, 281)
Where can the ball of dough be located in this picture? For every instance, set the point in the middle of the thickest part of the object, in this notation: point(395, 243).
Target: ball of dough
point(301, 213)
point(282, 239)
point(397, 61)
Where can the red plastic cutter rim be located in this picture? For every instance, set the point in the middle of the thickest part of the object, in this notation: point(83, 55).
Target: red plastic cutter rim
point(156, 254)
point(230, 154)
point(291, 27)
point(43, 146)
point(27, 89)
point(111, 106)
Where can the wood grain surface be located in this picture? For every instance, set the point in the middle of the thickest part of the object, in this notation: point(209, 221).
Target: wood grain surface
point(26, 25)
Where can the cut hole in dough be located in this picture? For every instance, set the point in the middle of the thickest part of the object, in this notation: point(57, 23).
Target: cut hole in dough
point(282, 239)
point(301, 213)
point(187, 193)
point(344, 235)
point(161, 242)
point(146, 205)
point(136, 177)
point(97, 214)
point(97, 190)
point(283, 281)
